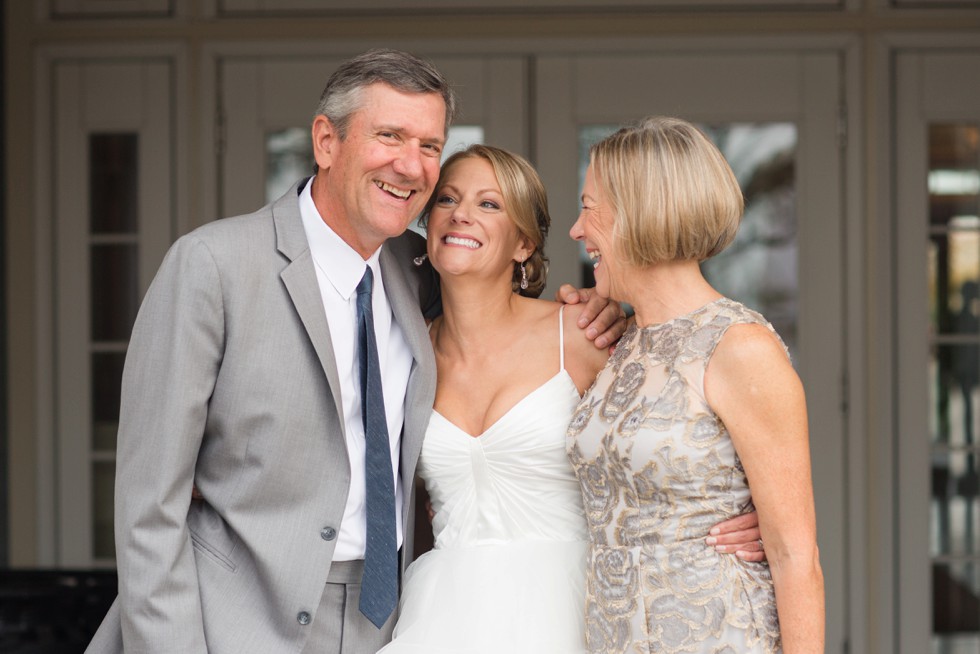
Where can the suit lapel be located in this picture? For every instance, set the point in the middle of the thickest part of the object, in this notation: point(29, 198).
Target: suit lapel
point(421, 388)
point(299, 278)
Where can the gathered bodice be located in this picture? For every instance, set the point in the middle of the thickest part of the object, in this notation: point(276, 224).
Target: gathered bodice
point(511, 483)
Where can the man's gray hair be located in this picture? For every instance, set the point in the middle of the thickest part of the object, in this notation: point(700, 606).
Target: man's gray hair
point(403, 71)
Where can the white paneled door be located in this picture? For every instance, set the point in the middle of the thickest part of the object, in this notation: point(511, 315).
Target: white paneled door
point(113, 213)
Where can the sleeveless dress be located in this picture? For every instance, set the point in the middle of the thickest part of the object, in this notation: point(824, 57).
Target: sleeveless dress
point(658, 470)
point(507, 574)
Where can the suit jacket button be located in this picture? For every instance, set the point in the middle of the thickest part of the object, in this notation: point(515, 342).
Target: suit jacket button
point(303, 618)
point(328, 533)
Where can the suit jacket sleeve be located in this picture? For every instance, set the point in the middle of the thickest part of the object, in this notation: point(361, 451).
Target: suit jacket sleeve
point(171, 366)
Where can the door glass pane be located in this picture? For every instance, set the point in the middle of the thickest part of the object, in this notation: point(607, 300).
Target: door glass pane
point(760, 269)
point(113, 266)
point(113, 188)
point(954, 372)
point(115, 292)
point(103, 480)
point(107, 370)
point(956, 614)
point(289, 157)
point(954, 276)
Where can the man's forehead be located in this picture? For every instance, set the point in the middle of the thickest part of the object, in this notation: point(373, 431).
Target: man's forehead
point(384, 106)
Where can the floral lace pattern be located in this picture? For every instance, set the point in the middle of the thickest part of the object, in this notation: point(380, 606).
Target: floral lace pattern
point(658, 470)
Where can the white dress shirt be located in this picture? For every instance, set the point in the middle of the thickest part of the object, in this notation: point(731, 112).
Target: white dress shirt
point(338, 270)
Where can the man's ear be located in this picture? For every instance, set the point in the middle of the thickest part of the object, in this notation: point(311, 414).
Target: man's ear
point(325, 140)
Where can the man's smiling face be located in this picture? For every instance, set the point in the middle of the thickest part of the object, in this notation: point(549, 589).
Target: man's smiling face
point(374, 182)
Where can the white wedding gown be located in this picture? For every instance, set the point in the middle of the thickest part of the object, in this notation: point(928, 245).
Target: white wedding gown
point(508, 569)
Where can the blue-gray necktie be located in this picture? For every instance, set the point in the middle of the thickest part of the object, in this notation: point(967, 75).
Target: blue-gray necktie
point(379, 586)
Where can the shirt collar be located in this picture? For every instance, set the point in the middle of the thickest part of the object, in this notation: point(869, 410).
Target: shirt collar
point(339, 262)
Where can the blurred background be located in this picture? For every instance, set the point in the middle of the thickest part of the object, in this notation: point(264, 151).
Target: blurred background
point(853, 127)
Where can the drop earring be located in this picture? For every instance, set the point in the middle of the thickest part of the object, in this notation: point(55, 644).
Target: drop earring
point(523, 277)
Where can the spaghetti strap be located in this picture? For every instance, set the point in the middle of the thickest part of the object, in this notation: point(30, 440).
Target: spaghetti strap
point(561, 339)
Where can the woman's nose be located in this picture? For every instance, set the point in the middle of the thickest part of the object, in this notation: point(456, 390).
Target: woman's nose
point(460, 214)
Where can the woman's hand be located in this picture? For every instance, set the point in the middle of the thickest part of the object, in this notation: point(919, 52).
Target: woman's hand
point(740, 536)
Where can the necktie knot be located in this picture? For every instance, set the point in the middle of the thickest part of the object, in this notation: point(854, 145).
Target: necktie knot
point(367, 282)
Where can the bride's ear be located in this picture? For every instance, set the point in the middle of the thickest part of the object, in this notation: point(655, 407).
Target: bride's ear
point(524, 250)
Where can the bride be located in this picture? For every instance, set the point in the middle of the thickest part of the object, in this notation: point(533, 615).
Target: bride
point(507, 572)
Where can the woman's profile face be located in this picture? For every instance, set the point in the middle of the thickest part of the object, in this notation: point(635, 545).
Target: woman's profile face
point(469, 229)
point(594, 227)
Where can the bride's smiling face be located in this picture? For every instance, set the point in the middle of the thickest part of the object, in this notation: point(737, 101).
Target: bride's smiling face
point(469, 229)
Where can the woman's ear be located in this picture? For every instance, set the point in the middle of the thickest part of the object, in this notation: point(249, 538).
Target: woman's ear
point(525, 248)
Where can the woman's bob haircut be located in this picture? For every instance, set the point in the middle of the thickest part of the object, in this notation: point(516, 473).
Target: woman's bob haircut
point(672, 194)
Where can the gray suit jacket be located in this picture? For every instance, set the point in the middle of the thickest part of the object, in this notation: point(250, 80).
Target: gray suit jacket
point(230, 383)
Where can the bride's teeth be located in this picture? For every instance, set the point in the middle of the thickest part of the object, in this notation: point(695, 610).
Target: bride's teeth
point(465, 242)
point(397, 192)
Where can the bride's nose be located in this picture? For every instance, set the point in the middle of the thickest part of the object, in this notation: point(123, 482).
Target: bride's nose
point(461, 215)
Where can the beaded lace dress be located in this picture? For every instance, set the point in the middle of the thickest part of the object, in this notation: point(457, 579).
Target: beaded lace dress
point(658, 470)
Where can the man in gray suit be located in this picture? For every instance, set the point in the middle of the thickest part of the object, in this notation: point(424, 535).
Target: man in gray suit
point(242, 378)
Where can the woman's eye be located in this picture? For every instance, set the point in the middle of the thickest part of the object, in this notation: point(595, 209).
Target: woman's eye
point(444, 199)
point(487, 204)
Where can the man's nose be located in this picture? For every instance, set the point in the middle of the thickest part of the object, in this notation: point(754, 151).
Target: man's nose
point(409, 161)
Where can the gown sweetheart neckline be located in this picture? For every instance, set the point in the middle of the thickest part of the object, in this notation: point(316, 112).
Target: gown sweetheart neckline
point(561, 374)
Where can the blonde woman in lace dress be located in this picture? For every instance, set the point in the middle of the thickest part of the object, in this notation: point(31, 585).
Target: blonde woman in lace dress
point(698, 404)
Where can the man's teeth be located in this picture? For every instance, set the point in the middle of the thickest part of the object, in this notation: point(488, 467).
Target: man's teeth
point(394, 190)
point(465, 242)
